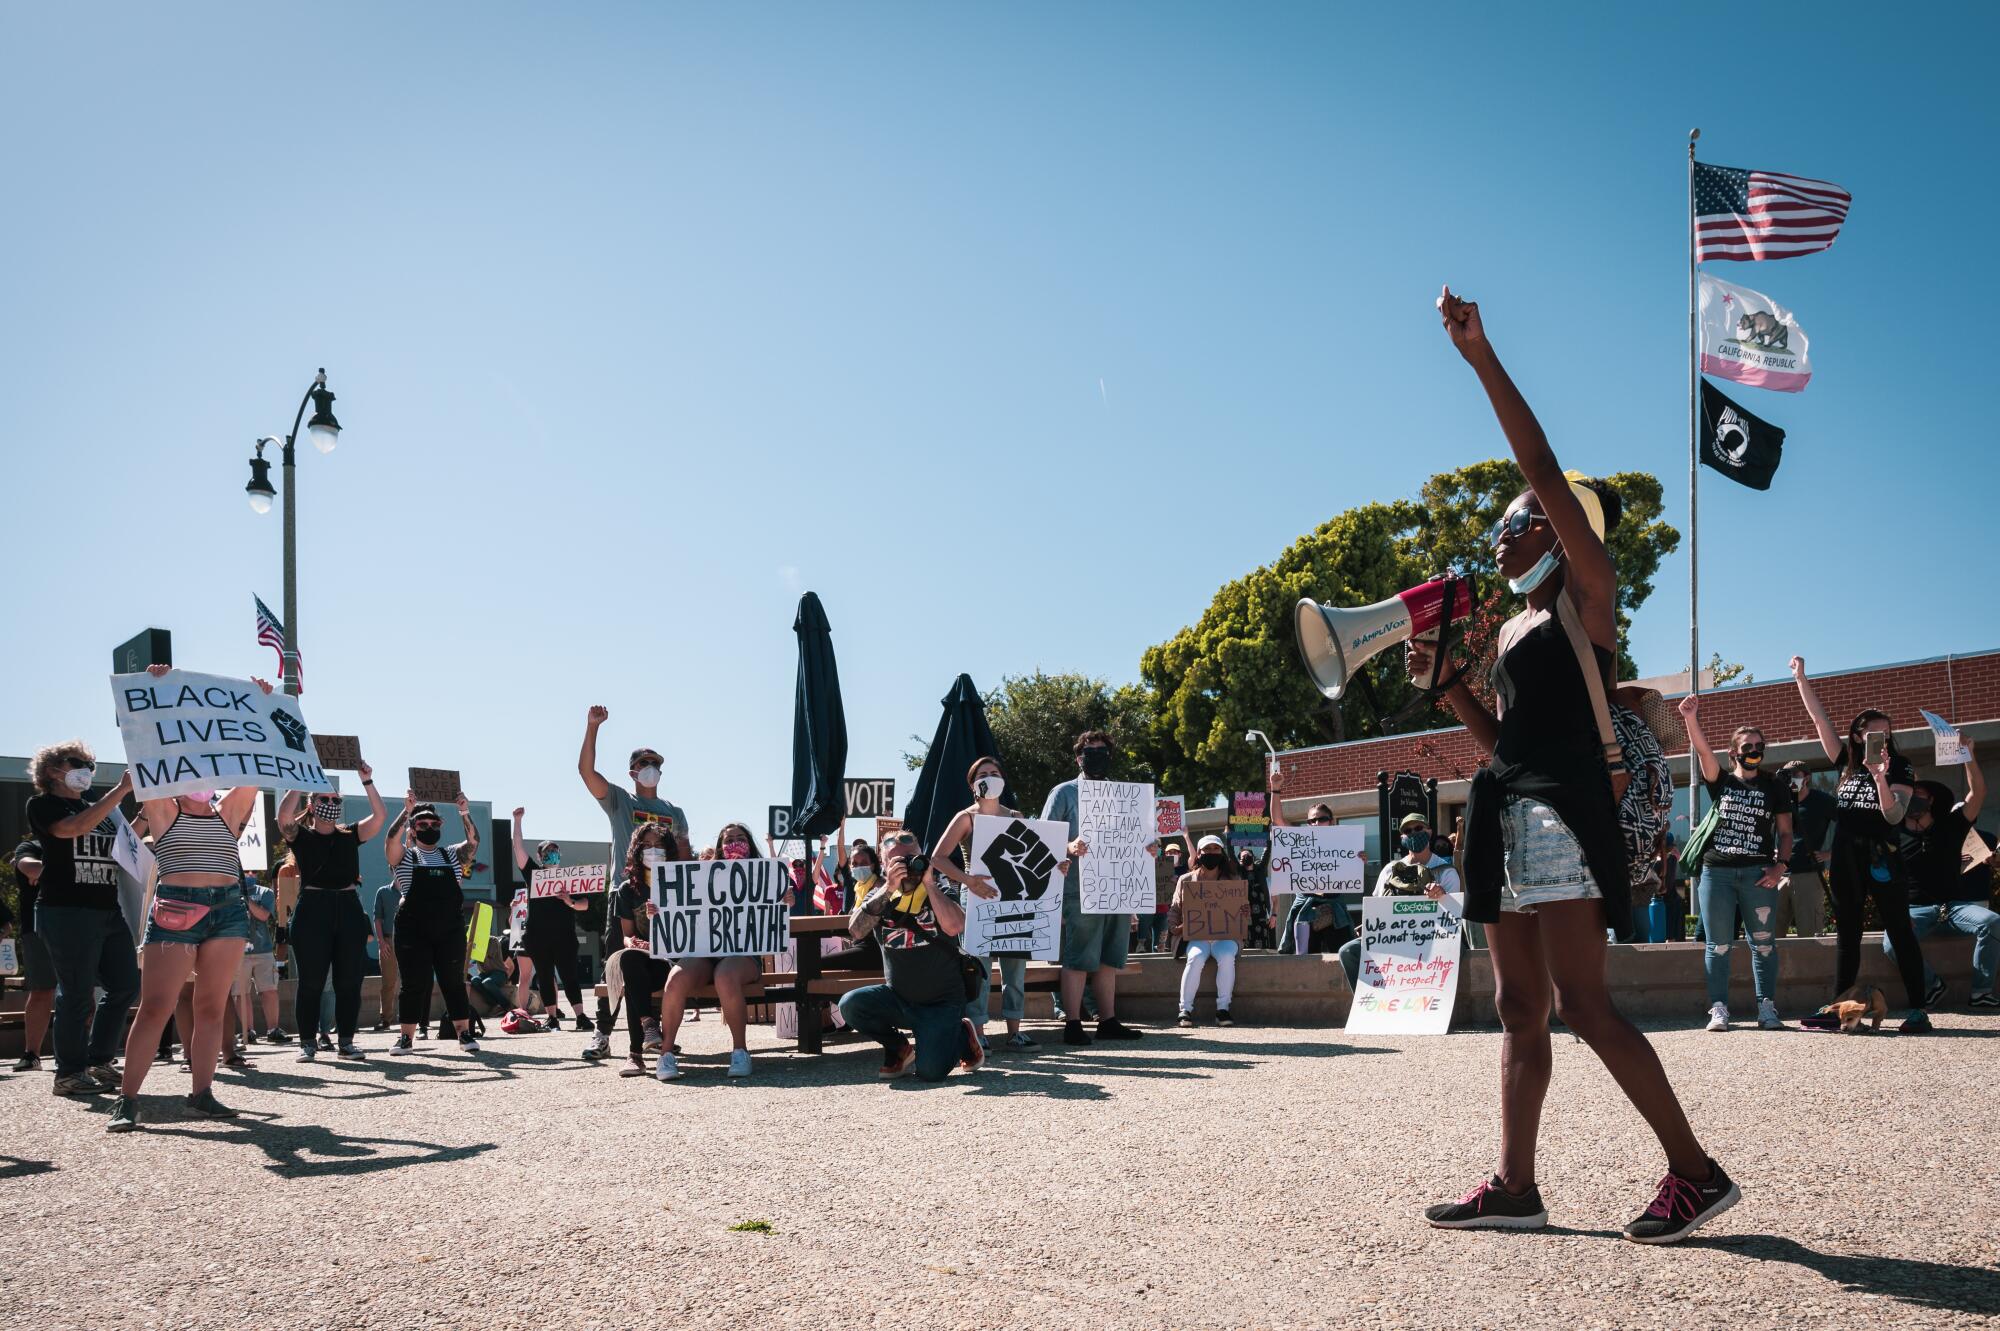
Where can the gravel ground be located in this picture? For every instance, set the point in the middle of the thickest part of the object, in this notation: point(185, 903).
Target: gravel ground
point(1241, 1177)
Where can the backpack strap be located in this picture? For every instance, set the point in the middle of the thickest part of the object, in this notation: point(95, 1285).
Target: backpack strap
point(1593, 682)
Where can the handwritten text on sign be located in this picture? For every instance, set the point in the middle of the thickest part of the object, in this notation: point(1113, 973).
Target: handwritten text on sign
point(1023, 859)
point(185, 731)
point(1215, 909)
point(1315, 861)
point(719, 908)
point(1409, 965)
point(566, 880)
point(1115, 819)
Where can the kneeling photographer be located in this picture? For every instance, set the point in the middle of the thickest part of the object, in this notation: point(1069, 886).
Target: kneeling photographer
point(929, 978)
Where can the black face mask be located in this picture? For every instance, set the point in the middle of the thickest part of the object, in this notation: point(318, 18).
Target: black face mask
point(1211, 860)
point(1751, 758)
point(428, 835)
point(1096, 763)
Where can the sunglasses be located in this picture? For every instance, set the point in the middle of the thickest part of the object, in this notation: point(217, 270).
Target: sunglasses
point(900, 839)
point(1514, 526)
point(1752, 750)
point(1318, 822)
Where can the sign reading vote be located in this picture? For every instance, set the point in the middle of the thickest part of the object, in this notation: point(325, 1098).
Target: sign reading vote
point(871, 798)
point(719, 908)
point(185, 731)
point(1409, 965)
point(1115, 821)
point(566, 880)
point(1315, 861)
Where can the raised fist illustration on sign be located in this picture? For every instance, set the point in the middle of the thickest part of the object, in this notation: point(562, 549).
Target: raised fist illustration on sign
point(1019, 864)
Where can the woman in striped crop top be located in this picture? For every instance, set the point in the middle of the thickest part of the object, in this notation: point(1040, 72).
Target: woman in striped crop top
point(199, 921)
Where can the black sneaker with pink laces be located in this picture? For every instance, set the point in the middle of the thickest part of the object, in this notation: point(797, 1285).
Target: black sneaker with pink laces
point(1490, 1206)
point(1684, 1205)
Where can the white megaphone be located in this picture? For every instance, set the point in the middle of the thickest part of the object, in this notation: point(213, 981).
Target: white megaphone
point(1335, 643)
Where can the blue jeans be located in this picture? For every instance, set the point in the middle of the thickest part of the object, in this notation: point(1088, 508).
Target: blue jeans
point(939, 1028)
point(1013, 991)
point(92, 949)
point(1958, 917)
point(1724, 892)
point(1151, 929)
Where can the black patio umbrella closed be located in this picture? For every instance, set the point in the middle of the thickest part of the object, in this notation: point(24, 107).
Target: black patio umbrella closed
point(962, 739)
point(819, 729)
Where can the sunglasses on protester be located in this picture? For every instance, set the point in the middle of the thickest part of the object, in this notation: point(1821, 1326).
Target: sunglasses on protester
point(1514, 526)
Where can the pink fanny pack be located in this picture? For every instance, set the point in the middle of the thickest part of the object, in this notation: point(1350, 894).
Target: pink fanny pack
point(177, 916)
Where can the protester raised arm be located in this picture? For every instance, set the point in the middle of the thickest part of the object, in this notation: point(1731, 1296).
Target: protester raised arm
point(1829, 737)
point(392, 841)
point(1690, 710)
point(586, 761)
point(1975, 785)
point(520, 846)
point(471, 828)
point(78, 824)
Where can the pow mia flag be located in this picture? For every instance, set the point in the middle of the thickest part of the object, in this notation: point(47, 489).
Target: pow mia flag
point(1737, 444)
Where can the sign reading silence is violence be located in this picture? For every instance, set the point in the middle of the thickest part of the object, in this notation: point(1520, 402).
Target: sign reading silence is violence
point(184, 731)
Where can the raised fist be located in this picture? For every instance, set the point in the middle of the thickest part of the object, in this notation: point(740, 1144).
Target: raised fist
point(1019, 864)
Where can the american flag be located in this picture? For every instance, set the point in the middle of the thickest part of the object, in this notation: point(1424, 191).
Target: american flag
point(1763, 214)
point(271, 633)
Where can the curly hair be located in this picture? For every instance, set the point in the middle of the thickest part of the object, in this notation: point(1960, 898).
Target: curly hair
point(635, 861)
point(45, 769)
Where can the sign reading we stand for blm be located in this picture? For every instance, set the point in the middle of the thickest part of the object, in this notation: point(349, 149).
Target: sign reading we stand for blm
point(1409, 965)
point(719, 908)
point(566, 880)
point(184, 731)
point(1215, 910)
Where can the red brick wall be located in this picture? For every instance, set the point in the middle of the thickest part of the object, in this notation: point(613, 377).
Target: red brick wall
point(1964, 689)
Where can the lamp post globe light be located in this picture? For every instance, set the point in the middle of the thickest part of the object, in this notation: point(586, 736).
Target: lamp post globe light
point(324, 431)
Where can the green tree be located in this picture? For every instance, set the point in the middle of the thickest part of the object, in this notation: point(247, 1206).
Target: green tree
point(1036, 718)
point(1237, 669)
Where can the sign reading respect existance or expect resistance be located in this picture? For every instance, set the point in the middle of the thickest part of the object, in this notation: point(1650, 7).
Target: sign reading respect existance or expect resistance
point(719, 908)
point(1409, 965)
point(1115, 821)
point(1316, 861)
point(184, 731)
point(1022, 857)
point(566, 880)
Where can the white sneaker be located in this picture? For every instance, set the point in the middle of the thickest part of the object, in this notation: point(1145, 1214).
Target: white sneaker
point(1767, 1016)
point(1718, 1017)
point(669, 1067)
point(468, 1045)
point(739, 1062)
point(650, 1037)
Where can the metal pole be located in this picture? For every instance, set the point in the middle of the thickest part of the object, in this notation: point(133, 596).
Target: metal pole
point(290, 665)
point(1694, 470)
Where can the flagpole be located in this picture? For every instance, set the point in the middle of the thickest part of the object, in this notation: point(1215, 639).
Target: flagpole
point(1694, 471)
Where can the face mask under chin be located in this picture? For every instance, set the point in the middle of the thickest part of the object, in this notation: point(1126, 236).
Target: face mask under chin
point(1535, 576)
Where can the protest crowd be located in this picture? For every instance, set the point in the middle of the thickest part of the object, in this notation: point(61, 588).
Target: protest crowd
point(1540, 869)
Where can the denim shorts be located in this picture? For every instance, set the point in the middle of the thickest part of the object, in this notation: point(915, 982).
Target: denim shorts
point(1543, 859)
point(227, 916)
point(1091, 942)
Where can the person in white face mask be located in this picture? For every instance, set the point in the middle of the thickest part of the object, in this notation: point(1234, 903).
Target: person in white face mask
point(625, 811)
point(988, 783)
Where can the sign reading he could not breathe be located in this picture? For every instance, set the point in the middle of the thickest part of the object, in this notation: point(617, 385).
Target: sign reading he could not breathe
point(719, 908)
point(871, 797)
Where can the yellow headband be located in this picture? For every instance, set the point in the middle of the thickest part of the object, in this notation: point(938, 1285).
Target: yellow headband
point(1593, 507)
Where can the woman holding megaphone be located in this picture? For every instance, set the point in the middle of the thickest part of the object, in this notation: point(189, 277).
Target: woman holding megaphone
point(1543, 858)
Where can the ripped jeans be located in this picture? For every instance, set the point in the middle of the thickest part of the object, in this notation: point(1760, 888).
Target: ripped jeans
point(1724, 892)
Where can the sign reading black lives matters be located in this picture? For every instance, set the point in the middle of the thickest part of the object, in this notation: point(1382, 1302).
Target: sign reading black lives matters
point(184, 731)
point(719, 908)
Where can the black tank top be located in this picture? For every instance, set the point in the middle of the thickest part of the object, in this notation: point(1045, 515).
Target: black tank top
point(1546, 725)
point(327, 859)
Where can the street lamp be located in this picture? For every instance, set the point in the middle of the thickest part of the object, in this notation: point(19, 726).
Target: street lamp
point(324, 431)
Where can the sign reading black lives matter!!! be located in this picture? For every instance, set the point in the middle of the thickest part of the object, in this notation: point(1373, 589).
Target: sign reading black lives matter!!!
point(1116, 820)
point(184, 731)
point(719, 908)
point(871, 797)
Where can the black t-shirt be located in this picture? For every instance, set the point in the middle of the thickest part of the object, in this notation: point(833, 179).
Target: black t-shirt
point(328, 859)
point(919, 959)
point(27, 850)
point(546, 915)
point(1810, 817)
point(1932, 859)
point(76, 871)
point(1746, 831)
point(1859, 812)
point(629, 906)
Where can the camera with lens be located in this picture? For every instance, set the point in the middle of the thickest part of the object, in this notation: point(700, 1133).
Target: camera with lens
point(915, 868)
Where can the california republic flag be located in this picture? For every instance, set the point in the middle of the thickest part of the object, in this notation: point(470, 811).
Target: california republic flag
point(1748, 337)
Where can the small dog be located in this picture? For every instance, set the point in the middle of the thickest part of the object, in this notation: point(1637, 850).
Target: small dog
point(1859, 1004)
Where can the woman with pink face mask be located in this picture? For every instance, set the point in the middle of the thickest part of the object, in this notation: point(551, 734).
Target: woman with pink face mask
point(729, 975)
point(199, 921)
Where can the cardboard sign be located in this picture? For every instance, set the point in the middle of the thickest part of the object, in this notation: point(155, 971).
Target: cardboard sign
point(1974, 852)
point(871, 797)
point(1316, 861)
point(1023, 858)
point(1170, 818)
point(1115, 821)
point(1950, 745)
point(339, 753)
point(1249, 821)
point(1409, 965)
point(1215, 910)
point(778, 824)
point(719, 908)
point(250, 846)
point(185, 731)
point(566, 880)
point(435, 785)
point(884, 826)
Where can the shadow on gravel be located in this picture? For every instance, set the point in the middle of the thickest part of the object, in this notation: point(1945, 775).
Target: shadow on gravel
point(310, 1151)
point(1271, 1049)
point(13, 1166)
point(1968, 1289)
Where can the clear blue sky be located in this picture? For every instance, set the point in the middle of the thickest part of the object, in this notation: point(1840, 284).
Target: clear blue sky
point(644, 318)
